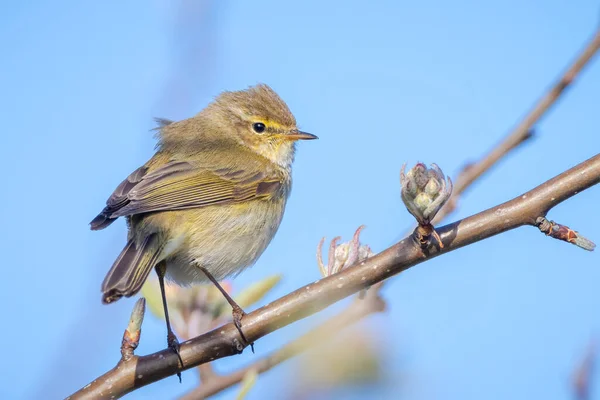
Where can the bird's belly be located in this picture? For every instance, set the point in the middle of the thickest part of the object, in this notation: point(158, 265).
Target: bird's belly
point(225, 241)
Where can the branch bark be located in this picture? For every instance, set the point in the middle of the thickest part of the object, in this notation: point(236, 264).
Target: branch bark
point(225, 341)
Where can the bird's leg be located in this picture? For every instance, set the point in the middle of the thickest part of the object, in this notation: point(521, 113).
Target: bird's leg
point(236, 310)
point(172, 342)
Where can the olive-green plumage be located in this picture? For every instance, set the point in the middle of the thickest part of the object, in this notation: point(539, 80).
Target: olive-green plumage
point(212, 196)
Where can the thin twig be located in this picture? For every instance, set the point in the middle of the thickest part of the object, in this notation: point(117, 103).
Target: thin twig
point(224, 341)
point(522, 132)
point(357, 310)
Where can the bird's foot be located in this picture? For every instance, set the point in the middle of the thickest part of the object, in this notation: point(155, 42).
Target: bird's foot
point(173, 344)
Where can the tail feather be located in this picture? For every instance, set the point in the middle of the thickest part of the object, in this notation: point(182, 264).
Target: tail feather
point(101, 221)
point(130, 269)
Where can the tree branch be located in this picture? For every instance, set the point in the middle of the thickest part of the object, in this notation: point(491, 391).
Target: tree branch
point(225, 341)
point(522, 132)
point(359, 309)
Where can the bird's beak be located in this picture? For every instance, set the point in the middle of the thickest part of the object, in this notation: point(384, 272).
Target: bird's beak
point(299, 135)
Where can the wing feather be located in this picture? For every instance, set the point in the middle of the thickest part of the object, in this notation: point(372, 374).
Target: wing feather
point(181, 185)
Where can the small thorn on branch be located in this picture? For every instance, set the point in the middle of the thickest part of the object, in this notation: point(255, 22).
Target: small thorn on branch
point(131, 336)
point(564, 233)
point(528, 135)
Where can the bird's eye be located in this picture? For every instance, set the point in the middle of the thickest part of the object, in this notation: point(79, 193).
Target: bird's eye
point(259, 127)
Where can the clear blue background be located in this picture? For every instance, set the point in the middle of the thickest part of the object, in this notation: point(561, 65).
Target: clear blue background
point(380, 83)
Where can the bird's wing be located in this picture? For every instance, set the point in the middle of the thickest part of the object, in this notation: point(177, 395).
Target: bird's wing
point(180, 185)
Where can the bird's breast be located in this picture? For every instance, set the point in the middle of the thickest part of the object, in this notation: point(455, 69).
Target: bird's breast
point(224, 239)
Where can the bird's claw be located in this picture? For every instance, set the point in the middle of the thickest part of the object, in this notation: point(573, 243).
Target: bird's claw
point(173, 344)
point(238, 314)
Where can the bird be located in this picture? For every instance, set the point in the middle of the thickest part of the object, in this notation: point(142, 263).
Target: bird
point(206, 205)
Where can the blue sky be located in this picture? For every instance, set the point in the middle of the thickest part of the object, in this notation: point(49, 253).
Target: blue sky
point(381, 84)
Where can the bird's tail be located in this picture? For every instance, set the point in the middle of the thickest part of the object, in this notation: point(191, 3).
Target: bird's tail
point(131, 268)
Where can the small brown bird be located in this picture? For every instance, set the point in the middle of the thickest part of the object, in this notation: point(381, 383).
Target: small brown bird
point(210, 200)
